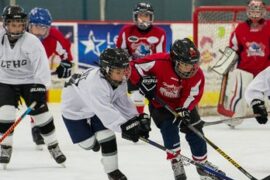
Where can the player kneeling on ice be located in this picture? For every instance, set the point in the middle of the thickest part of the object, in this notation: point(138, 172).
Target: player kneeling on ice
point(257, 90)
point(176, 79)
point(95, 104)
point(24, 72)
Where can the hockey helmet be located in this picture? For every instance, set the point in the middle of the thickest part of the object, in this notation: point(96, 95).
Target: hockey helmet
point(40, 16)
point(143, 8)
point(14, 14)
point(114, 58)
point(256, 10)
point(185, 57)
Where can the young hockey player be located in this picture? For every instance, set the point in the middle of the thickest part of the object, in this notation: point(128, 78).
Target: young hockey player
point(141, 39)
point(249, 48)
point(95, 104)
point(255, 94)
point(24, 72)
point(55, 43)
point(180, 84)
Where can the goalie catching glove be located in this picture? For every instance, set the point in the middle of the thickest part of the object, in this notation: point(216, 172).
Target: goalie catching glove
point(64, 69)
point(136, 127)
point(226, 62)
point(259, 108)
point(147, 86)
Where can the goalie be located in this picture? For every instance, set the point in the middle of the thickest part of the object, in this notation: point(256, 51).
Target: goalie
point(248, 54)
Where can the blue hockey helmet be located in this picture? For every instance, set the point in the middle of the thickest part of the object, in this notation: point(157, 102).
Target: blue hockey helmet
point(40, 16)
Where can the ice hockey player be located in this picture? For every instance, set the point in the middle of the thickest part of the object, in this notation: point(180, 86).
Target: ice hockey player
point(95, 104)
point(256, 93)
point(249, 48)
point(140, 39)
point(40, 21)
point(24, 72)
point(180, 85)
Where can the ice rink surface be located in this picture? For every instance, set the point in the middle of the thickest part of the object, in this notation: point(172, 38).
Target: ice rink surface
point(248, 144)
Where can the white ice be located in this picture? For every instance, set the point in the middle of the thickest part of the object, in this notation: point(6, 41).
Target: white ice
point(248, 145)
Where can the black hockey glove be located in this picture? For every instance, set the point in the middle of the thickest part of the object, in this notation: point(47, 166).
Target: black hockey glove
point(184, 117)
point(37, 93)
point(145, 123)
point(64, 69)
point(147, 86)
point(136, 127)
point(259, 108)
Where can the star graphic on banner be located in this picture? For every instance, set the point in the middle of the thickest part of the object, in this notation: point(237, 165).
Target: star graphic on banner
point(92, 44)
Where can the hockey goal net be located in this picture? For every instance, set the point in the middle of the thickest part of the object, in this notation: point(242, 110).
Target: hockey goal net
point(212, 27)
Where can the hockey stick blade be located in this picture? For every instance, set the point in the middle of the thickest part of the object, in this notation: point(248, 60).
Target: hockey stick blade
point(230, 119)
point(199, 165)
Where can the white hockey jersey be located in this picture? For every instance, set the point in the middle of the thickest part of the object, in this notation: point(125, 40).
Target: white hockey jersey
point(25, 63)
point(259, 88)
point(93, 95)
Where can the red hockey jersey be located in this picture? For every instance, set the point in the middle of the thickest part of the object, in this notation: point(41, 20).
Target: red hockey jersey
point(173, 90)
point(56, 43)
point(141, 43)
point(252, 47)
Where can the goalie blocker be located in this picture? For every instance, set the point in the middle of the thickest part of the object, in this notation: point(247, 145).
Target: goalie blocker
point(227, 60)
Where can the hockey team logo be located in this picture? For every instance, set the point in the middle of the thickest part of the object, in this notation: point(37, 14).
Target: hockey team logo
point(255, 49)
point(170, 90)
point(12, 64)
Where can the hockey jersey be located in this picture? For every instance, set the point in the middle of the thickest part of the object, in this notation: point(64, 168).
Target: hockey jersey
point(141, 43)
point(173, 90)
point(25, 63)
point(93, 95)
point(56, 43)
point(252, 46)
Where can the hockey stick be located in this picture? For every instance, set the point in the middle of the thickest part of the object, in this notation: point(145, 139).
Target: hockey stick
point(28, 110)
point(199, 165)
point(215, 147)
point(230, 119)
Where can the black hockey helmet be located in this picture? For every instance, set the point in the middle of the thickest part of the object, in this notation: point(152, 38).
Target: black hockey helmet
point(113, 58)
point(14, 13)
point(143, 8)
point(184, 52)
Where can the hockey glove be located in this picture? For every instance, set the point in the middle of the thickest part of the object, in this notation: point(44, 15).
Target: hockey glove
point(38, 93)
point(136, 127)
point(64, 69)
point(259, 108)
point(184, 117)
point(145, 123)
point(147, 86)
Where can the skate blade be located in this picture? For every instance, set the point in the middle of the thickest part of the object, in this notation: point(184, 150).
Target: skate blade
point(63, 165)
point(39, 147)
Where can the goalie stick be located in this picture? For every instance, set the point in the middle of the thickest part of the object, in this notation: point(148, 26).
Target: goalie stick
point(199, 165)
point(214, 146)
point(28, 110)
point(230, 119)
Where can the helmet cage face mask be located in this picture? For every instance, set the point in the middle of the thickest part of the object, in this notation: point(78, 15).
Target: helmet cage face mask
point(181, 69)
point(142, 24)
point(256, 10)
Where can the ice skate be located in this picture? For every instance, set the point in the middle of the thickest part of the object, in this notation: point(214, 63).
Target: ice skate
point(178, 169)
point(116, 175)
point(5, 155)
point(207, 176)
point(57, 154)
point(37, 138)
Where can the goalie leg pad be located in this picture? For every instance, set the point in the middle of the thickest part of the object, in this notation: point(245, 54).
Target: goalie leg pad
point(231, 101)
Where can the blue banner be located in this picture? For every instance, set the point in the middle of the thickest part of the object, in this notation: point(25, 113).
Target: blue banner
point(94, 38)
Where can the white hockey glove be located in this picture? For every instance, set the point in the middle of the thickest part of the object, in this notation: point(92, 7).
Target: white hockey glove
point(226, 62)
